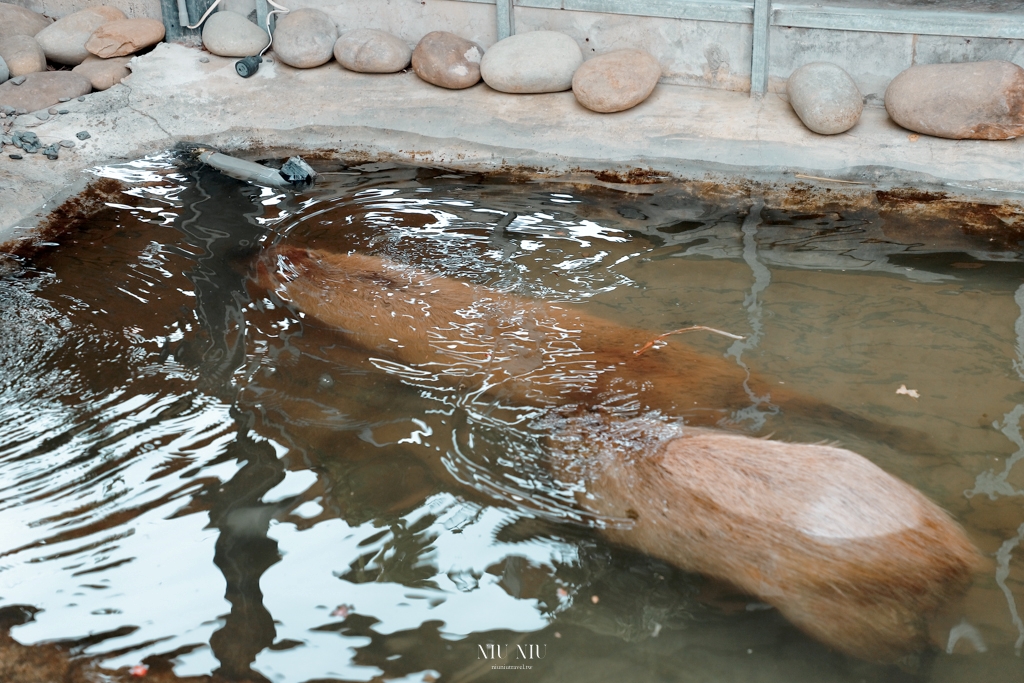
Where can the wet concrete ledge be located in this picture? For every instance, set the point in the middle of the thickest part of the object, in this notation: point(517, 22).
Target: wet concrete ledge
point(682, 132)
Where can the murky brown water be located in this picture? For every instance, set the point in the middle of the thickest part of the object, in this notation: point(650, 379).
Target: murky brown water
point(192, 473)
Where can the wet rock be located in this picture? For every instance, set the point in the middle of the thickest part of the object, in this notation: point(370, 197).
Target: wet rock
point(19, 21)
point(305, 38)
point(83, 135)
point(22, 54)
point(16, 157)
point(616, 80)
point(125, 37)
point(104, 73)
point(230, 34)
point(51, 151)
point(972, 100)
point(445, 59)
point(26, 141)
point(64, 40)
point(64, 111)
point(5, 72)
point(535, 62)
point(369, 51)
point(18, 80)
point(825, 98)
point(42, 90)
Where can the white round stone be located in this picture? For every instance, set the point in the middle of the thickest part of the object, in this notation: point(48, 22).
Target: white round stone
point(535, 62)
point(370, 51)
point(230, 34)
point(305, 38)
point(825, 98)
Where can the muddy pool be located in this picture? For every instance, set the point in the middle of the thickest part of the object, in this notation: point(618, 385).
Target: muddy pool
point(194, 475)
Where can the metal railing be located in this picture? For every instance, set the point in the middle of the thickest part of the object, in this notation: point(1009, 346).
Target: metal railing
point(764, 14)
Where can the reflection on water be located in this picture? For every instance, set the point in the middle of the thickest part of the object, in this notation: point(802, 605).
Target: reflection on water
point(191, 473)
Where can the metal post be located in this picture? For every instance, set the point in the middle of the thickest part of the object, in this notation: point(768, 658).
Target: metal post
point(506, 19)
point(262, 9)
point(759, 53)
point(177, 14)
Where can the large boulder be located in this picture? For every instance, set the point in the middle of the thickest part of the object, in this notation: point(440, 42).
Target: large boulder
point(44, 89)
point(447, 60)
point(104, 73)
point(972, 100)
point(616, 80)
point(22, 55)
point(64, 40)
point(230, 34)
point(125, 37)
point(19, 21)
point(825, 98)
point(535, 62)
point(305, 38)
point(370, 51)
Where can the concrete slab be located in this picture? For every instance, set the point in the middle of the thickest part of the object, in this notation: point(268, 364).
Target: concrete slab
point(680, 131)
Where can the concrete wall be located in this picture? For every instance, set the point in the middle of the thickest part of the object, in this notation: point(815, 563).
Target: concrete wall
point(60, 8)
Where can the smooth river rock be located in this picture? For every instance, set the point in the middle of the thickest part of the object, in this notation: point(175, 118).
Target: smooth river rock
point(22, 54)
point(616, 81)
point(447, 60)
point(19, 21)
point(825, 98)
point(42, 90)
point(125, 37)
point(370, 51)
point(64, 40)
point(972, 100)
point(305, 38)
point(230, 34)
point(104, 73)
point(534, 62)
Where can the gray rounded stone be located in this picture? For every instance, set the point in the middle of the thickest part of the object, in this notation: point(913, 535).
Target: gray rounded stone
point(305, 38)
point(971, 100)
point(534, 62)
point(64, 40)
point(825, 98)
point(22, 54)
point(447, 60)
point(19, 21)
point(370, 51)
point(616, 81)
point(104, 73)
point(5, 72)
point(230, 34)
point(42, 90)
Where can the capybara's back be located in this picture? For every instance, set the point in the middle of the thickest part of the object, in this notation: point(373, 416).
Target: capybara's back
point(852, 555)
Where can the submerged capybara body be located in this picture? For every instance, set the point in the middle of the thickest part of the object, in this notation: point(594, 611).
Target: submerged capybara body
point(850, 554)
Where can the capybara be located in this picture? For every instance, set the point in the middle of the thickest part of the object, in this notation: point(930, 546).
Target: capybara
point(850, 554)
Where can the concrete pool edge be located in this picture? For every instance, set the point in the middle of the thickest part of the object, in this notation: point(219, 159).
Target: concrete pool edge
point(681, 132)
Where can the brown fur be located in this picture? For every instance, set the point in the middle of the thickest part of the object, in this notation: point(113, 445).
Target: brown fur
point(851, 555)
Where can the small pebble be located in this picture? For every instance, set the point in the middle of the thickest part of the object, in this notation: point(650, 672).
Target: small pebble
point(84, 135)
point(3, 115)
point(64, 99)
point(21, 112)
point(204, 60)
point(51, 111)
point(18, 80)
point(42, 115)
point(64, 111)
point(52, 157)
point(67, 143)
point(82, 98)
point(15, 156)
